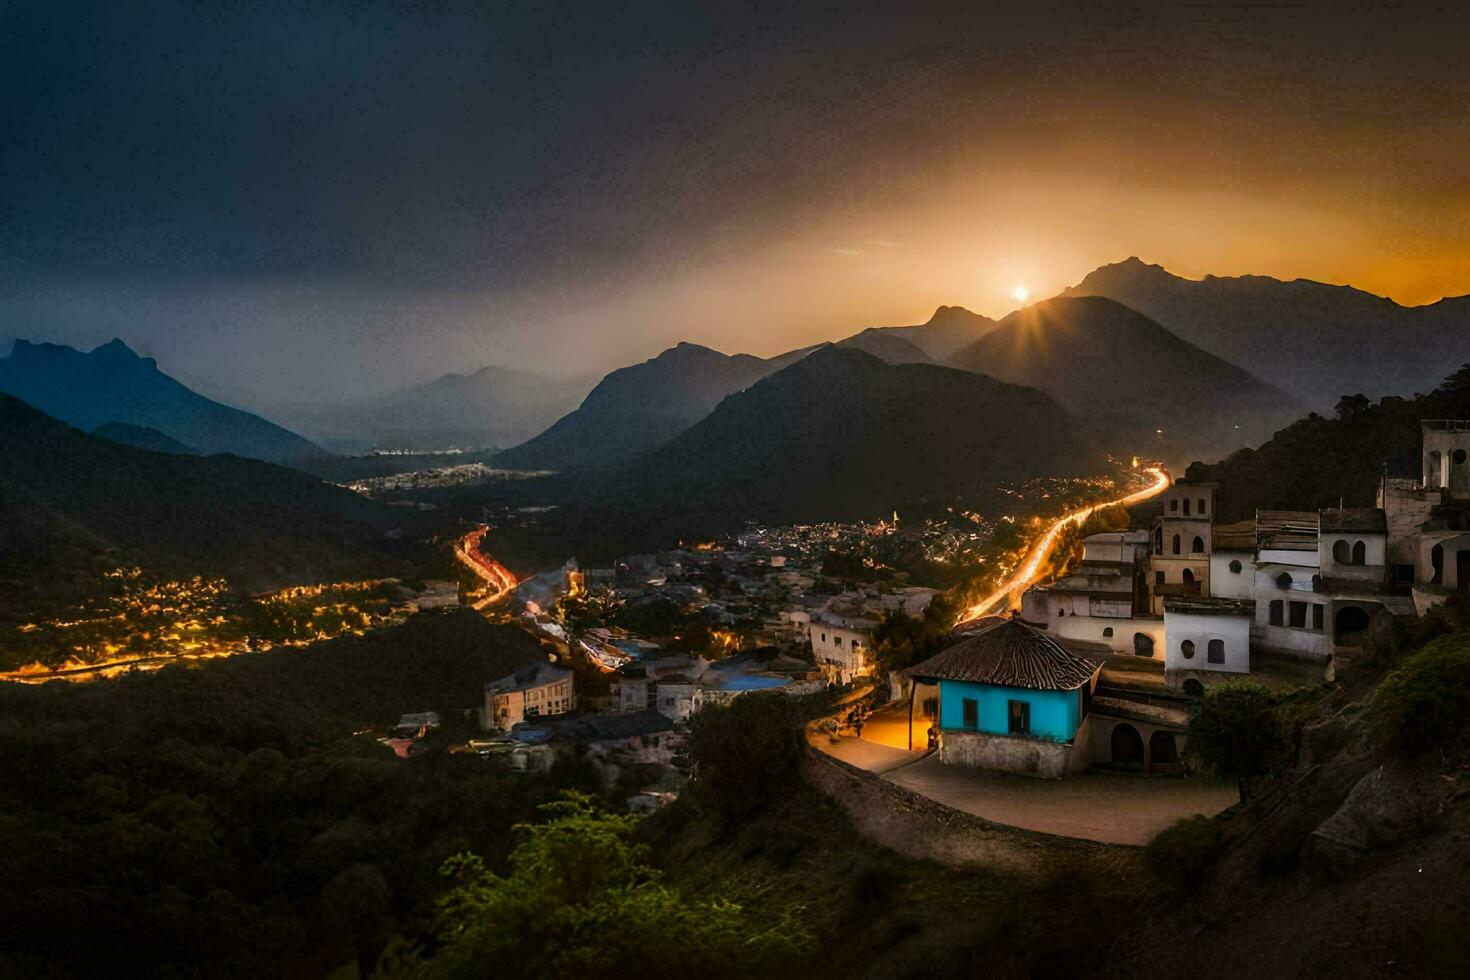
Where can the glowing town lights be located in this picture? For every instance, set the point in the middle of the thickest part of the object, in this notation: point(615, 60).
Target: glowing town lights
point(1030, 569)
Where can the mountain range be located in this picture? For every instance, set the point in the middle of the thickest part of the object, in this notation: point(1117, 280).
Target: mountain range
point(113, 384)
point(73, 505)
point(843, 434)
point(491, 408)
point(1315, 340)
point(1101, 359)
point(949, 329)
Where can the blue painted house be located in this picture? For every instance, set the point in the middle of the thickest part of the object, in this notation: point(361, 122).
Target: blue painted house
point(1013, 698)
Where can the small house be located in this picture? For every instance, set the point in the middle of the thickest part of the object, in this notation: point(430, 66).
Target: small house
point(1013, 698)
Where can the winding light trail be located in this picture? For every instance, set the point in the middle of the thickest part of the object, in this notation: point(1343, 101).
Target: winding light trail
point(497, 578)
point(1030, 570)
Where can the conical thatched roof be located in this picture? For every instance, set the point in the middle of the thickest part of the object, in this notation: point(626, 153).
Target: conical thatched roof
point(1008, 652)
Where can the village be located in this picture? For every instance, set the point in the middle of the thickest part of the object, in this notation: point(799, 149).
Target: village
point(1063, 709)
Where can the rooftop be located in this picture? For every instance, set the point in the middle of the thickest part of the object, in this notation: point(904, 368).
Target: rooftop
point(1240, 536)
point(1209, 606)
point(1368, 520)
point(528, 677)
point(1011, 653)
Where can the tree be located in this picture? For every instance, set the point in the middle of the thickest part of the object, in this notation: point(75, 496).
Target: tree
point(1235, 729)
point(901, 640)
point(580, 900)
point(745, 751)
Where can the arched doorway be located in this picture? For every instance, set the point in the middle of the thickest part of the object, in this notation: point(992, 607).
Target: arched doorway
point(1161, 749)
point(1127, 746)
point(1350, 623)
point(1143, 645)
point(1194, 688)
point(1436, 563)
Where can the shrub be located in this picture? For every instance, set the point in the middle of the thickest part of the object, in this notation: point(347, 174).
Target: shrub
point(1185, 850)
point(1427, 700)
point(745, 750)
point(1235, 729)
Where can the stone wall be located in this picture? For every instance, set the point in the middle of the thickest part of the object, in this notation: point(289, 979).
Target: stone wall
point(1006, 753)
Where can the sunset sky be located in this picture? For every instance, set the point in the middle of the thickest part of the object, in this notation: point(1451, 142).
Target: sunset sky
point(296, 204)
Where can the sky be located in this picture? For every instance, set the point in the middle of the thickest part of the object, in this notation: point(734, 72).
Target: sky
point(308, 201)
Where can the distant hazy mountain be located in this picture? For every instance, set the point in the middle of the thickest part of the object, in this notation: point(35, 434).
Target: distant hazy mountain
point(888, 346)
point(72, 505)
point(1100, 358)
point(636, 408)
point(141, 437)
point(1312, 339)
point(494, 407)
point(842, 434)
point(113, 384)
point(949, 329)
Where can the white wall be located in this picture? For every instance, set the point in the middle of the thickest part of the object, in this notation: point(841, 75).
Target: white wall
point(834, 644)
point(1375, 547)
point(1226, 584)
point(1093, 628)
point(1234, 632)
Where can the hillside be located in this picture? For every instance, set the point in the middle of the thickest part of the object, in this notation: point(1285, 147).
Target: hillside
point(637, 408)
point(141, 437)
point(885, 345)
point(841, 434)
point(1099, 358)
point(113, 384)
point(72, 506)
point(491, 408)
point(1318, 461)
point(1315, 340)
point(948, 330)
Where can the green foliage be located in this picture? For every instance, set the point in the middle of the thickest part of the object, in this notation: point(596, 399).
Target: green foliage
point(581, 900)
point(901, 640)
point(1185, 850)
point(227, 812)
point(1426, 701)
point(745, 752)
point(1235, 729)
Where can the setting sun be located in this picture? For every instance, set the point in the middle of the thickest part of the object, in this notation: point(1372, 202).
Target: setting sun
point(1020, 293)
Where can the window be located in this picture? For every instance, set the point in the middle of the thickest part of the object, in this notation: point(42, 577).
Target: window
point(1175, 543)
point(1189, 576)
point(1202, 506)
point(1235, 566)
point(837, 642)
point(1341, 553)
point(1458, 457)
point(1276, 607)
point(971, 710)
point(1316, 616)
point(1283, 581)
point(1020, 718)
point(1198, 546)
point(1187, 648)
point(824, 637)
point(1215, 654)
point(1360, 553)
point(1174, 505)
point(1186, 506)
point(1158, 578)
point(1297, 615)
point(1107, 632)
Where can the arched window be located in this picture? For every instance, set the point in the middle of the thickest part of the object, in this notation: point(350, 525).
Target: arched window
point(1341, 553)
point(1436, 562)
point(1108, 632)
point(1143, 644)
point(1215, 653)
point(1360, 553)
point(1187, 649)
point(1197, 546)
point(1283, 581)
point(1158, 541)
point(1175, 543)
point(1235, 566)
point(1189, 576)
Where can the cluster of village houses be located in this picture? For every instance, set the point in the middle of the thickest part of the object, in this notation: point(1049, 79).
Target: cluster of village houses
point(1096, 668)
point(1290, 593)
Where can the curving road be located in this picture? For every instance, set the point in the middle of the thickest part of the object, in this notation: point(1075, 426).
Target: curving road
point(1030, 571)
point(497, 578)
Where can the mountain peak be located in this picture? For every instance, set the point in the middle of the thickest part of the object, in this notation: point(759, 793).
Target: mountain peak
point(115, 348)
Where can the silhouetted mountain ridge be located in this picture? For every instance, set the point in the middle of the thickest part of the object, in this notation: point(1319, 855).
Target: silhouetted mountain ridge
point(1317, 340)
point(113, 384)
